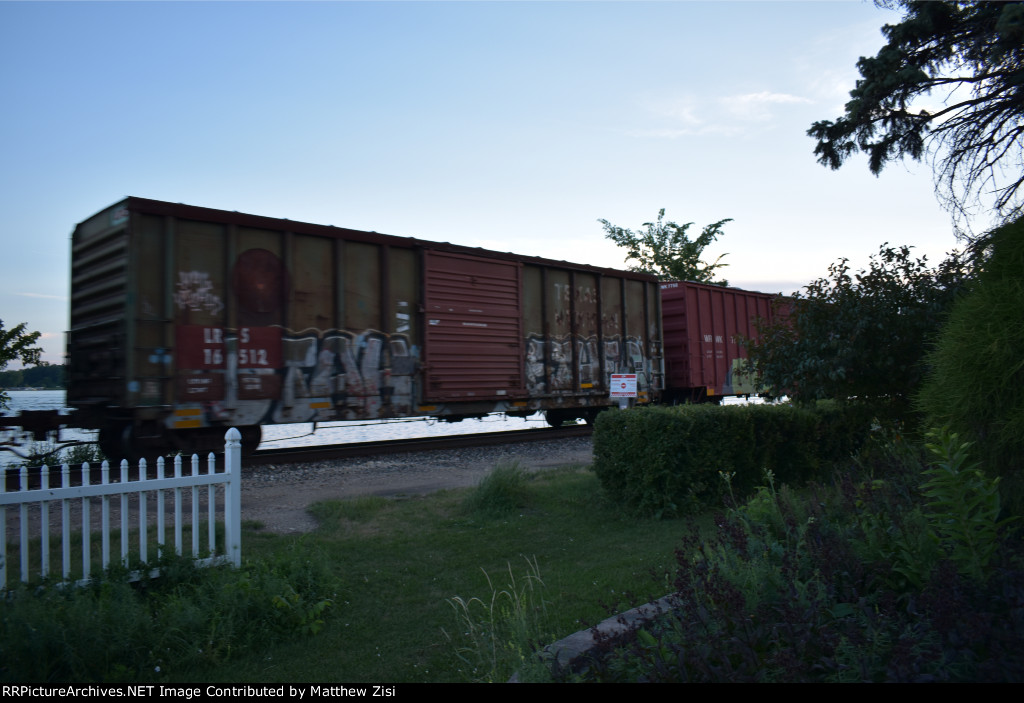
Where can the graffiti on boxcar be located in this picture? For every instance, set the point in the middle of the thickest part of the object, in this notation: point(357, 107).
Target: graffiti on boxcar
point(354, 376)
point(540, 353)
point(589, 364)
point(264, 374)
point(556, 358)
point(629, 357)
point(194, 291)
point(560, 360)
point(347, 376)
point(584, 313)
point(739, 379)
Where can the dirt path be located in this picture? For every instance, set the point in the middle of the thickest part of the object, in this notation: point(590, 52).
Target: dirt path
point(279, 498)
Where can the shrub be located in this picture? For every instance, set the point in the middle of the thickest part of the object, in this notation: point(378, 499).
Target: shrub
point(801, 586)
point(667, 461)
point(859, 337)
point(977, 365)
point(177, 623)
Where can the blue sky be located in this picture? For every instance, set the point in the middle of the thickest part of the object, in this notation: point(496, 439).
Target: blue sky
point(504, 125)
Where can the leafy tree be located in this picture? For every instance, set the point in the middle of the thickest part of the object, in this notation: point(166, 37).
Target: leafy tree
point(46, 375)
point(973, 54)
point(977, 365)
point(17, 344)
point(665, 249)
point(859, 337)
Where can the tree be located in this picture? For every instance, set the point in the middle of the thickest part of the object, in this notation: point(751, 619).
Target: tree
point(666, 251)
point(45, 375)
point(859, 337)
point(972, 53)
point(17, 344)
point(976, 368)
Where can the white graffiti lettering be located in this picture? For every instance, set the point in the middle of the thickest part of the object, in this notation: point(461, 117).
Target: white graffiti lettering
point(195, 292)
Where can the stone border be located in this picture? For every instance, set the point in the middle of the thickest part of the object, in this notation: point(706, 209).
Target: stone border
point(571, 652)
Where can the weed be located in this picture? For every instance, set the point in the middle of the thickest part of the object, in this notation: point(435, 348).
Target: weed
point(81, 454)
point(304, 616)
point(962, 505)
point(499, 635)
point(50, 453)
point(500, 492)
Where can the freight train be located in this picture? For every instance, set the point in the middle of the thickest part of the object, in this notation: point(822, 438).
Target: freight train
point(188, 320)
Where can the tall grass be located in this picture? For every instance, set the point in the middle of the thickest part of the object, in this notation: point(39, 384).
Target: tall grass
point(500, 634)
point(501, 491)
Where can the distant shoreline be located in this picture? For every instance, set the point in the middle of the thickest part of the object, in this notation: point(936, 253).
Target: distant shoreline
point(33, 388)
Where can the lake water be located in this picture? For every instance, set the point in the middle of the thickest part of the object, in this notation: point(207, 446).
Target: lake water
point(281, 436)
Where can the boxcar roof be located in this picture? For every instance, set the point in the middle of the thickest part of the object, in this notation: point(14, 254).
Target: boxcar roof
point(204, 214)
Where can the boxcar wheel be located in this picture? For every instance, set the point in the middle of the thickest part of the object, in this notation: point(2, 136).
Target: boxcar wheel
point(199, 441)
point(251, 437)
point(555, 418)
point(116, 443)
point(211, 439)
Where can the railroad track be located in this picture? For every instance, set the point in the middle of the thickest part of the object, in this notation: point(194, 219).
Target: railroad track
point(293, 455)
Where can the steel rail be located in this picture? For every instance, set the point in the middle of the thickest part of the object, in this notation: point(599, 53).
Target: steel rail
point(397, 446)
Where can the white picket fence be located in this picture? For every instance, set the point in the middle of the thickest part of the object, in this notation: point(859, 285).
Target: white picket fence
point(178, 487)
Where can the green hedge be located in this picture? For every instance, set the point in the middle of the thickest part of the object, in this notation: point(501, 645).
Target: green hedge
point(667, 461)
point(977, 365)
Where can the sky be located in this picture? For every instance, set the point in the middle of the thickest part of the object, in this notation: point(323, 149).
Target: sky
point(513, 126)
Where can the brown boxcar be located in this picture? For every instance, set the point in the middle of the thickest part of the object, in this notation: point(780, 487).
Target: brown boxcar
point(703, 325)
point(187, 320)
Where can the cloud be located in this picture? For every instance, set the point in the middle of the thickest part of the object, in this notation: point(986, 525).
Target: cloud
point(43, 295)
point(756, 106)
point(683, 110)
point(669, 133)
point(727, 116)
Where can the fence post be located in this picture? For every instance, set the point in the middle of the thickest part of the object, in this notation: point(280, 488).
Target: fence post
point(233, 496)
point(124, 514)
point(3, 530)
point(23, 508)
point(143, 519)
point(65, 521)
point(44, 523)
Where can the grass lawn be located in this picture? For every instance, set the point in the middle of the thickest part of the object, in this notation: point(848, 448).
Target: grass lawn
point(404, 566)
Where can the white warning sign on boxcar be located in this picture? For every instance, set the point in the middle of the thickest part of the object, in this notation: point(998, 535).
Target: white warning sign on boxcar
point(623, 385)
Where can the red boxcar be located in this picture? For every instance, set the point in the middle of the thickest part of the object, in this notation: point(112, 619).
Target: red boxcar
point(703, 325)
point(188, 320)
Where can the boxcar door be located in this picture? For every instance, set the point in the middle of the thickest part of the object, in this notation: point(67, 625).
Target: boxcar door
point(473, 343)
